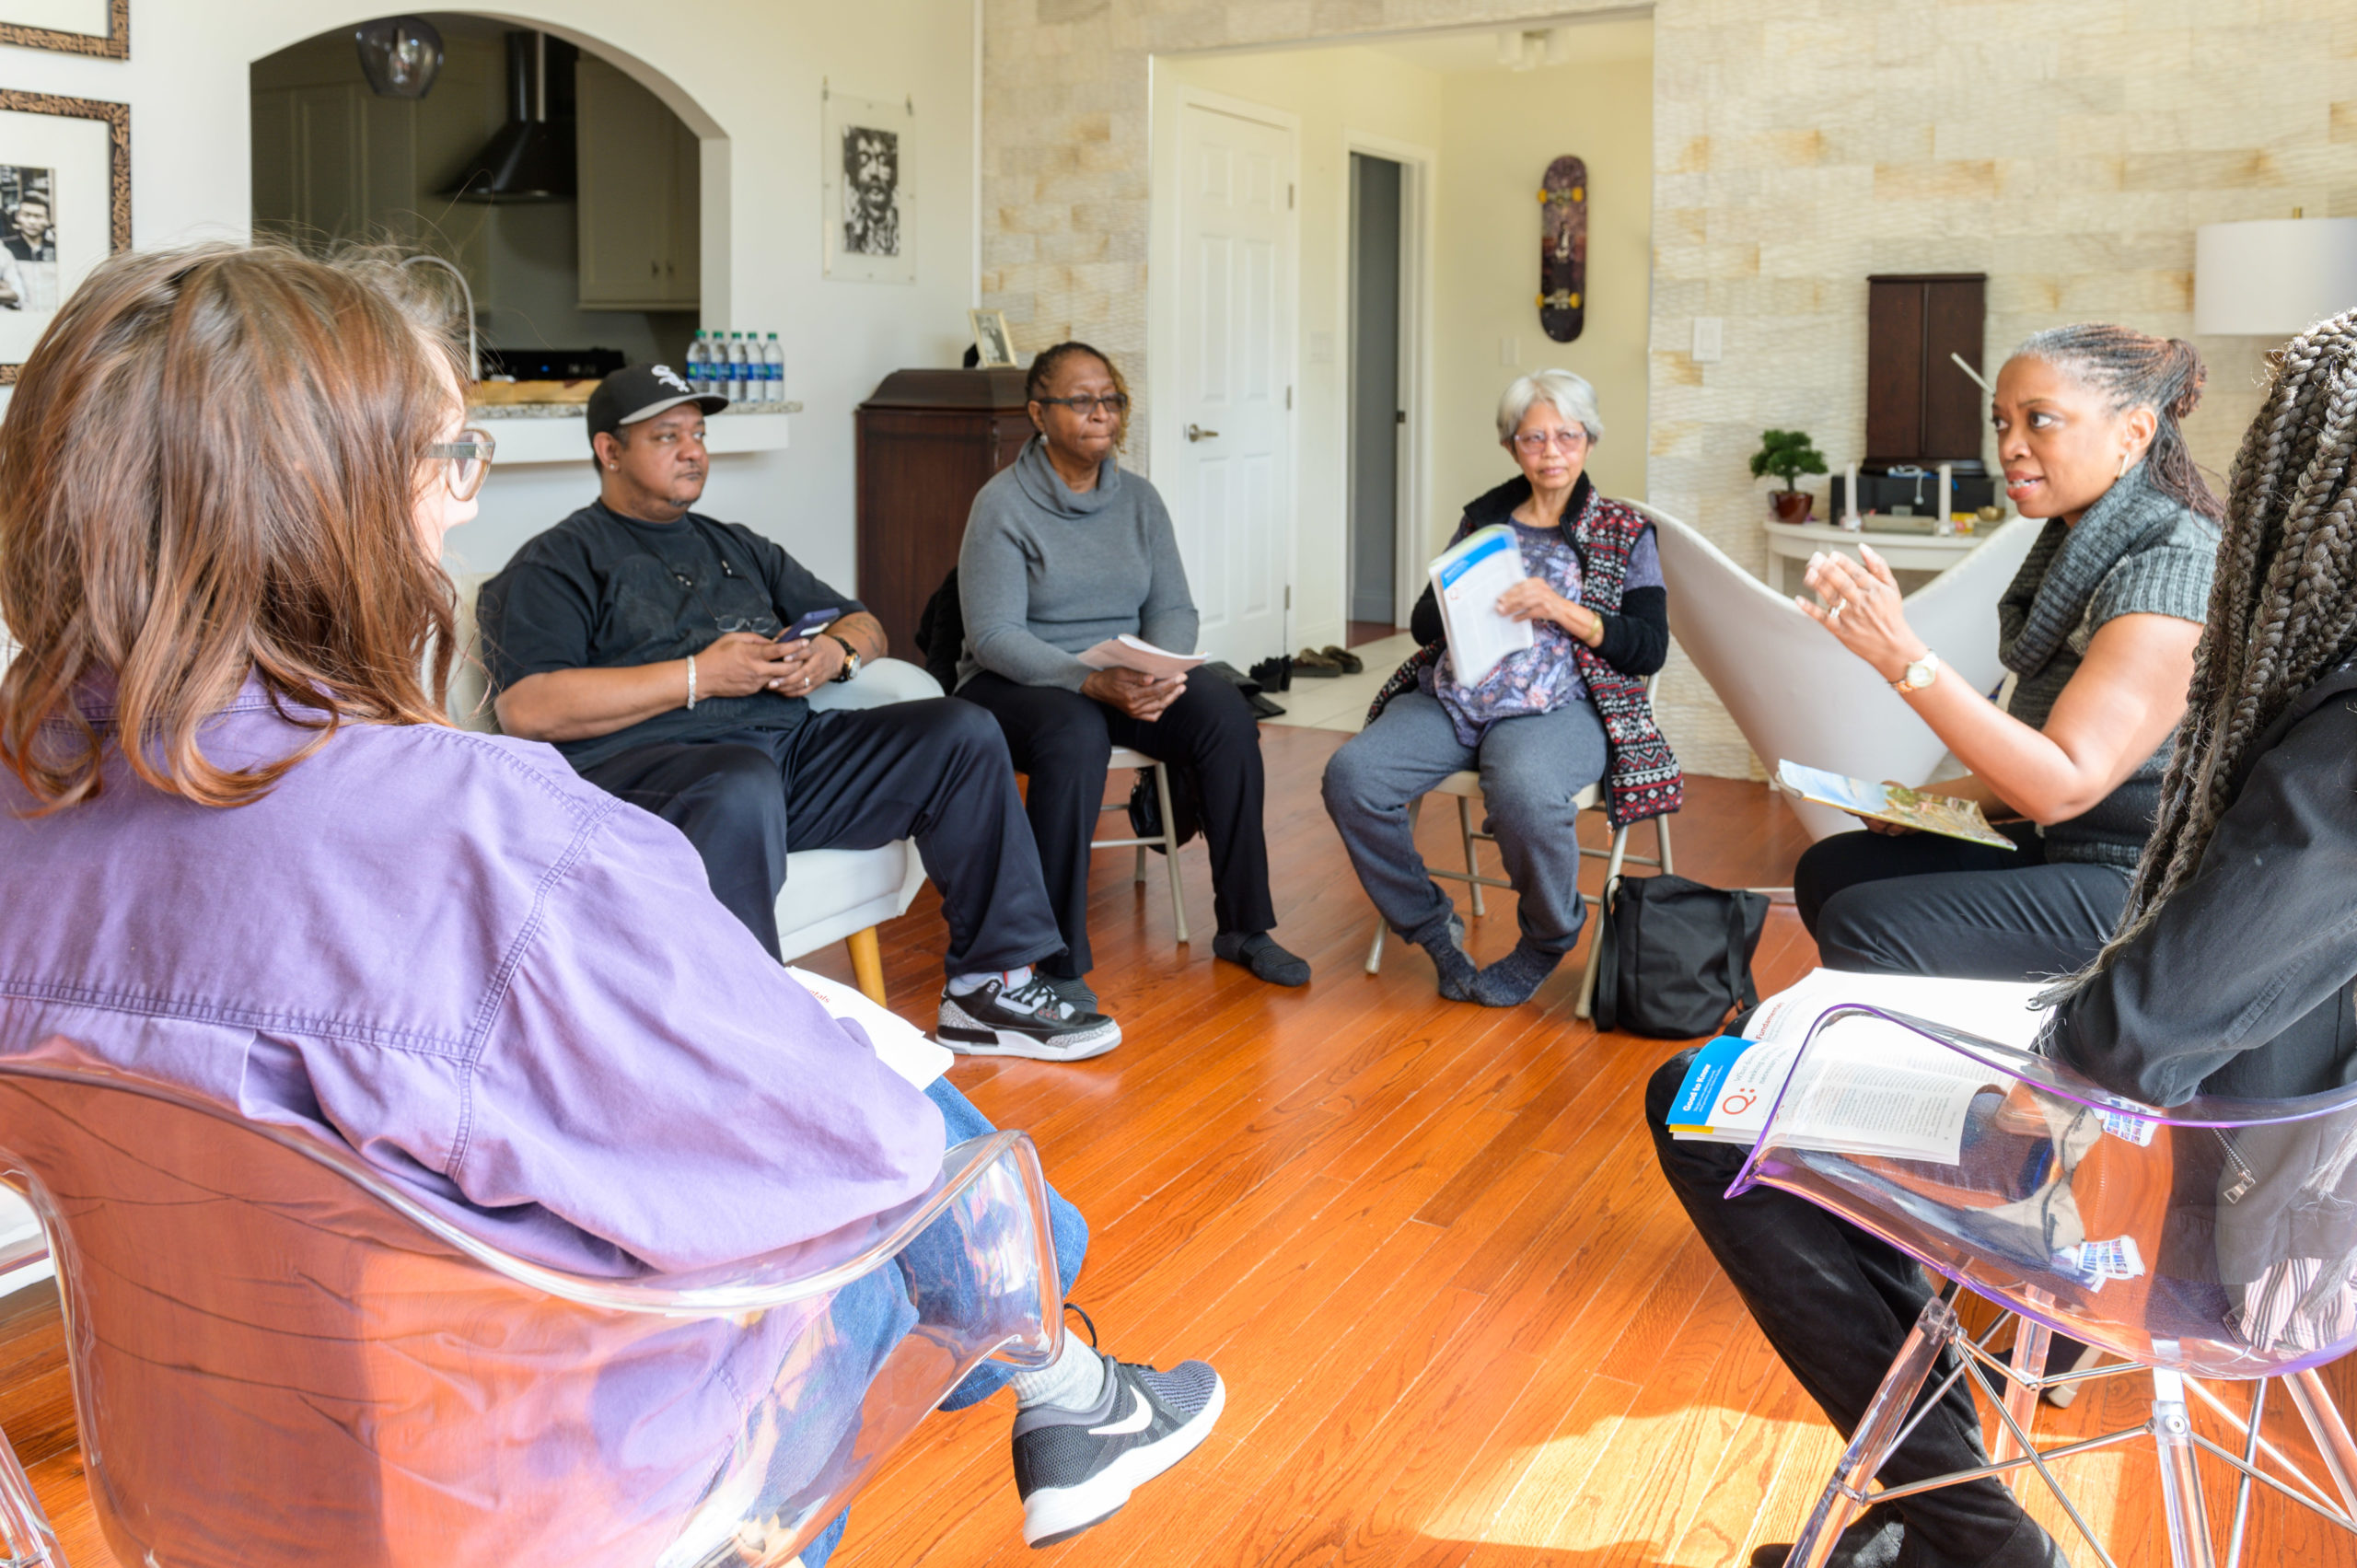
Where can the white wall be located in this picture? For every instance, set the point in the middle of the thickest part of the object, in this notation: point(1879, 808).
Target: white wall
point(747, 75)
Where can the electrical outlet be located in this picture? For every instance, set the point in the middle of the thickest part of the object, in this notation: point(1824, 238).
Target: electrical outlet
point(1710, 344)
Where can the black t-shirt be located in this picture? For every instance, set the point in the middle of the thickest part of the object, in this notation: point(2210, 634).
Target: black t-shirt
point(603, 592)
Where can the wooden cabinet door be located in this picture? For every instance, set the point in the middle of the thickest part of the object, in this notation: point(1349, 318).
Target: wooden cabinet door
point(1921, 409)
point(640, 205)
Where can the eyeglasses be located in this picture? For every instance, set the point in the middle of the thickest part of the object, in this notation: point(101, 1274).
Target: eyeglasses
point(1088, 408)
point(468, 460)
point(1536, 441)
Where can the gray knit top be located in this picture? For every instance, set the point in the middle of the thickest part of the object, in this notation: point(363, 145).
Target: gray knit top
point(1046, 573)
point(2134, 552)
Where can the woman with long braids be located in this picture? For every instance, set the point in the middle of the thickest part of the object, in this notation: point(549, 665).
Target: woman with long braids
point(2230, 972)
point(2097, 631)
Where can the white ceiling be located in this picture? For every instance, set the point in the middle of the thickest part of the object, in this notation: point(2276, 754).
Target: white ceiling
point(1590, 41)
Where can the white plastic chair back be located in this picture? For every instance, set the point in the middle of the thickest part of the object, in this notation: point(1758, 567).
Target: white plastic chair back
point(281, 1358)
point(1796, 693)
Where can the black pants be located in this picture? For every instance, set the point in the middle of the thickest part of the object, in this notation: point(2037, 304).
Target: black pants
point(1836, 1304)
point(857, 778)
point(1061, 739)
point(1918, 903)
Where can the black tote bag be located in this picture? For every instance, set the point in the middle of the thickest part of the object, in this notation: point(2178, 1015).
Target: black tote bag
point(1676, 956)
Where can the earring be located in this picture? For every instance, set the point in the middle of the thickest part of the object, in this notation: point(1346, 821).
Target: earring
point(2124, 467)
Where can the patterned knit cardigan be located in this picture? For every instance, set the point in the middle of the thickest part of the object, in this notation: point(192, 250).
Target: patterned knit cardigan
point(1641, 778)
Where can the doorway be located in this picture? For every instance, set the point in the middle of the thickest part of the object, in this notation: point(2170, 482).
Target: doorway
point(1377, 396)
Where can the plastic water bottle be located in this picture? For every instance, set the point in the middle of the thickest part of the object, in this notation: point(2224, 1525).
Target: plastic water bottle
point(699, 363)
point(740, 367)
point(774, 372)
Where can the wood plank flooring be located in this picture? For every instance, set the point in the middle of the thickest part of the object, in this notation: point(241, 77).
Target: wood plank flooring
point(1461, 1319)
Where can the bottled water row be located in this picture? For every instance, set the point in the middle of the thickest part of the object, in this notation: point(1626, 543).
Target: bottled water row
point(739, 367)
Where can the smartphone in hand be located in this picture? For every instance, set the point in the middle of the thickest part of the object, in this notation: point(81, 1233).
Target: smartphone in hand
point(809, 625)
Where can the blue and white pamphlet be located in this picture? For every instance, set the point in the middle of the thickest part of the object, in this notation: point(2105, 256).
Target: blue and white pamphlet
point(1468, 578)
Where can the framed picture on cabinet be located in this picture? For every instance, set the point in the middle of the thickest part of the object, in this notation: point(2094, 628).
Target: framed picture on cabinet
point(102, 28)
point(991, 339)
point(64, 207)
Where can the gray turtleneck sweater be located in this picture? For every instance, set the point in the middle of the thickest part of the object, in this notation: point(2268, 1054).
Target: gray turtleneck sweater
point(1045, 573)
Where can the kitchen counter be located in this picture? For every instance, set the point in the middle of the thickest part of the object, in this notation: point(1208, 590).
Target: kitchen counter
point(553, 432)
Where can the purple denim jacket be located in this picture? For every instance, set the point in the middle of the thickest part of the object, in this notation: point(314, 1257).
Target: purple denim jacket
point(509, 990)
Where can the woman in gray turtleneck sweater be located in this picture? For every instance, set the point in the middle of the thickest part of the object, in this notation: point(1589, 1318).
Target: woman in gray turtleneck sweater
point(1062, 551)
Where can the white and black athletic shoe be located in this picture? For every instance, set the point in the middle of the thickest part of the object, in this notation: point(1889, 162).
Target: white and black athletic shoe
point(1074, 1469)
point(1030, 1020)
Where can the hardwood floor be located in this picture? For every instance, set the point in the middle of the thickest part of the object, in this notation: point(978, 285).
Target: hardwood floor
point(1461, 1319)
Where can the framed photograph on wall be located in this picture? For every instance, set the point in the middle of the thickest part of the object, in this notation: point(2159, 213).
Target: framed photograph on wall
point(71, 27)
point(991, 339)
point(870, 234)
point(64, 206)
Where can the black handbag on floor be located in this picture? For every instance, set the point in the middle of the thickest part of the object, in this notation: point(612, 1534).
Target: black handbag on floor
point(1675, 955)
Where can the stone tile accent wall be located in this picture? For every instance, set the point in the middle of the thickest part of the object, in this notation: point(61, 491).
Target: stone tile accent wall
point(2068, 151)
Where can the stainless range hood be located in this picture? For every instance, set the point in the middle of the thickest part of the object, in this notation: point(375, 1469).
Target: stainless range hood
point(530, 158)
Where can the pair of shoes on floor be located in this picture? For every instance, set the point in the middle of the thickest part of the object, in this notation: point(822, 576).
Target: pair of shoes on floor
point(1274, 674)
point(1327, 663)
point(1257, 951)
point(1029, 1020)
point(1075, 1469)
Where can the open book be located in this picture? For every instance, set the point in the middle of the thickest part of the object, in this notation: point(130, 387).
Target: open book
point(1875, 1086)
point(1135, 653)
point(899, 1044)
point(1468, 579)
point(1942, 813)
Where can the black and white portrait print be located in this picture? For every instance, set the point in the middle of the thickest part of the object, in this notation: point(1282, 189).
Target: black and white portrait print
point(871, 190)
point(27, 238)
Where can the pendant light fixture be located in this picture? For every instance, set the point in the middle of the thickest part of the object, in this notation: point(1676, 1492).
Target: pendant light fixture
point(399, 55)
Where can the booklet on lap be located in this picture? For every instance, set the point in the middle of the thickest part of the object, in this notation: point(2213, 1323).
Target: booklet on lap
point(1468, 579)
point(1126, 652)
point(1880, 1089)
point(1896, 804)
point(899, 1044)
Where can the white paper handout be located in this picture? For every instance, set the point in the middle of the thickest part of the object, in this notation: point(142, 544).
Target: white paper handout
point(1468, 579)
point(1881, 1088)
point(1126, 652)
point(899, 1044)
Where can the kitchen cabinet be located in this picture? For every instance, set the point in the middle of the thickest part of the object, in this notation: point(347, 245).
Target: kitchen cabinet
point(641, 207)
point(928, 441)
point(1921, 410)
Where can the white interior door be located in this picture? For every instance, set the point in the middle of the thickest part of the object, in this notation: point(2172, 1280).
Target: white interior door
point(1232, 462)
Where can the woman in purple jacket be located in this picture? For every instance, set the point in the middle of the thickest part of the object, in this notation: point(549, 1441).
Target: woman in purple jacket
point(305, 896)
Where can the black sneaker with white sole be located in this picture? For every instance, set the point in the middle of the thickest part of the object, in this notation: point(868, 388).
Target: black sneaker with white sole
point(1029, 1020)
point(1074, 1469)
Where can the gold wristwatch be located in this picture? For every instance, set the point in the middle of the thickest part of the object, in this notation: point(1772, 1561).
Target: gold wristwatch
point(851, 657)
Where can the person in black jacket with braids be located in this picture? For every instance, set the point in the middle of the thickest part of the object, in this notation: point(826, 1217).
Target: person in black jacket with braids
point(2230, 972)
point(1542, 725)
point(2097, 631)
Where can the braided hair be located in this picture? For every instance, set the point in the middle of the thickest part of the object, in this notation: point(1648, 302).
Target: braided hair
point(2131, 369)
point(1043, 372)
point(2283, 606)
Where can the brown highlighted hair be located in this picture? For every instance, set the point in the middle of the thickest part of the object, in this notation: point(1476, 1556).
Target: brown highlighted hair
point(210, 473)
point(2131, 369)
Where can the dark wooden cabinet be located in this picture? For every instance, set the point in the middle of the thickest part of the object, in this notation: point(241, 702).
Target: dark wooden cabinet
point(928, 441)
point(1919, 408)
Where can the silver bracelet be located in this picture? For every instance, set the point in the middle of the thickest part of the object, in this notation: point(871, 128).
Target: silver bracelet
point(691, 683)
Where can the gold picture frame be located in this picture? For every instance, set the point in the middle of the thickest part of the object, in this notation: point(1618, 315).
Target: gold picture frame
point(42, 265)
point(991, 340)
point(113, 44)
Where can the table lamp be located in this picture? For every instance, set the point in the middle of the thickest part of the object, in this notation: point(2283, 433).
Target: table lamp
point(2273, 277)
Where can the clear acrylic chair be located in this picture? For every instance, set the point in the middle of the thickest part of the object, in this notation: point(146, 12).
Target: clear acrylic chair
point(279, 1358)
point(2213, 1241)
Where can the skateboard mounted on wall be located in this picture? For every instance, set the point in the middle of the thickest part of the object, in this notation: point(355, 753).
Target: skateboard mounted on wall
point(1563, 249)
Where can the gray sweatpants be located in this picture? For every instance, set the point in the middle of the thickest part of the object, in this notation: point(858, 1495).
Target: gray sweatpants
point(1531, 770)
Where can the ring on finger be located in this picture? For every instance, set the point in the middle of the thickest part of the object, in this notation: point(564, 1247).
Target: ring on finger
point(1835, 613)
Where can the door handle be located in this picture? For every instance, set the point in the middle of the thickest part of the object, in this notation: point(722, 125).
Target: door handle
point(1197, 433)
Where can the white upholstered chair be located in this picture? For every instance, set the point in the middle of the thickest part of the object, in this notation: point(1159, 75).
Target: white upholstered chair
point(830, 895)
point(1795, 692)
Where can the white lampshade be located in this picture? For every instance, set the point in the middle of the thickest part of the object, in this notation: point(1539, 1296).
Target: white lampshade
point(2273, 277)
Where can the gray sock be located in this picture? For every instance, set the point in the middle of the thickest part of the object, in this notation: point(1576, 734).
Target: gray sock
point(1441, 940)
point(1074, 1381)
point(1512, 980)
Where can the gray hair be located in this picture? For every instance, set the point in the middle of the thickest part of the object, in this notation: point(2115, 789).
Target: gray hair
point(1569, 395)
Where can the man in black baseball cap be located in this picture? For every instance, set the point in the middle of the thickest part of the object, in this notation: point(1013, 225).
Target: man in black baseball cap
point(669, 657)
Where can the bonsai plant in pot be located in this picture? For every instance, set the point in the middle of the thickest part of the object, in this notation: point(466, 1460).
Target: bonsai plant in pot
point(1787, 454)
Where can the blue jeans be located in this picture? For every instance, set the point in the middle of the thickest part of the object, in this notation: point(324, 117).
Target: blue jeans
point(876, 1314)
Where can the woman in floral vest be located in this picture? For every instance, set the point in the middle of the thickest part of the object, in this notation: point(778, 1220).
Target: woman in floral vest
point(1542, 725)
